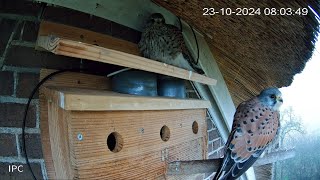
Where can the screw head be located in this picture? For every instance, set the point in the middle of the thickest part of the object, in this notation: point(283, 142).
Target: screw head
point(80, 137)
point(141, 130)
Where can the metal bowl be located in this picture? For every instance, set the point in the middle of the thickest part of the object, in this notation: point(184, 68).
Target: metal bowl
point(135, 82)
point(171, 87)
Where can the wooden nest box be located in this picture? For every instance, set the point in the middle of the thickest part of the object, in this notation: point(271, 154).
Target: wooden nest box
point(98, 134)
point(90, 132)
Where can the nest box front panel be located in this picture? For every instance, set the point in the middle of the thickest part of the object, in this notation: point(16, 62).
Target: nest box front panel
point(133, 144)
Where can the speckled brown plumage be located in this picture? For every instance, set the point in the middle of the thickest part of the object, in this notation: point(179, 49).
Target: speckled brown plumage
point(164, 42)
point(255, 125)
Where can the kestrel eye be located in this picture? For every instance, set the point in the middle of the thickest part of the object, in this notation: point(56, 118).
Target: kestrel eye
point(273, 96)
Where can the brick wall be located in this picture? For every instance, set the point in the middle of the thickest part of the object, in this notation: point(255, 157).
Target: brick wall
point(20, 74)
point(215, 143)
point(16, 85)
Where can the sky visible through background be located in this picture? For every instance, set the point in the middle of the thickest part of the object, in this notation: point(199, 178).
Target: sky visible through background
point(303, 95)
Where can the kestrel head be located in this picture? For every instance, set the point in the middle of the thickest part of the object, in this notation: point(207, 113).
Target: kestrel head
point(157, 18)
point(271, 97)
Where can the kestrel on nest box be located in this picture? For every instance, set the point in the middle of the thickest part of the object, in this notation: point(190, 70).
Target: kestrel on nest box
point(255, 125)
point(164, 42)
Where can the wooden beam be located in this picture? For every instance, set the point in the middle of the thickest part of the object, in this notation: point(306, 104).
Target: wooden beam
point(81, 50)
point(211, 165)
point(97, 100)
point(275, 157)
point(86, 36)
point(193, 167)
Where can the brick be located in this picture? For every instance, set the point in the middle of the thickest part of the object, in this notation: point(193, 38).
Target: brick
point(26, 83)
point(28, 57)
point(5, 31)
point(33, 146)
point(213, 134)
point(8, 145)
point(39, 59)
point(77, 19)
point(100, 68)
point(30, 32)
point(26, 174)
point(20, 7)
point(6, 83)
point(210, 149)
point(209, 124)
point(216, 144)
point(92, 23)
point(125, 33)
point(214, 156)
point(192, 95)
point(220, 153)
point(11, 115)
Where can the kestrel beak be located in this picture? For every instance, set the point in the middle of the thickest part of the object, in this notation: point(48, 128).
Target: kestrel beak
point(279, 99)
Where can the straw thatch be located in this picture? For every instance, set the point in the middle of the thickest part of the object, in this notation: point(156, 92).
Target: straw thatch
point(253, 52)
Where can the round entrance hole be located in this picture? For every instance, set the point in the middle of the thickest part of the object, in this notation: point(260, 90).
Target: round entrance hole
point(165, 133)
point(195, 127)
point(115, 142)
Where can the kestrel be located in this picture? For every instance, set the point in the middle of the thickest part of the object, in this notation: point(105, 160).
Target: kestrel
point(164, 42)
point(255, 125)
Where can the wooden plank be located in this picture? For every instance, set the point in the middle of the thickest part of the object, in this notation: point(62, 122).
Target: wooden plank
point(76, 80)
point(58, 130)
point(76, 49)
point(193, 167)
point(211, 165)
point(67, 79)
point(275, 157)
point(86, 36)
point(95, 100)
point(143, 149)
point(144, 154)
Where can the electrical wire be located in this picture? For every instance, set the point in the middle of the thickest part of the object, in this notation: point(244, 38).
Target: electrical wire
point(195, 38)
point(117, 72)
point(26, 113)
point(28, 105)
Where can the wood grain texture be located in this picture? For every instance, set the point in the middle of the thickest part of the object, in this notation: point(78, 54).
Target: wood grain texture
point(58, 131)
point(143, 152)
point(66, 47)
point(67, 79)
point(86, 36)
point(211, 165)
point(96, 100)
point(143, 155)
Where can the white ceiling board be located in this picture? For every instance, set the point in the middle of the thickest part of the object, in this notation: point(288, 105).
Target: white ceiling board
point(131, 13)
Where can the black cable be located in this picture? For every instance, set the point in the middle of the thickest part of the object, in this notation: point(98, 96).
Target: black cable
point(180, 24)
point(195, 38)
point(43, 7)
point(26, 113)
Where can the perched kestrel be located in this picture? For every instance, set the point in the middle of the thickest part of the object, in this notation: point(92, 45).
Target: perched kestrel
point(164, 42)
point(255, 125)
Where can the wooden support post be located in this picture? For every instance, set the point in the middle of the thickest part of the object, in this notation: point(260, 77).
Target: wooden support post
point(193, 167)
point(211, 165)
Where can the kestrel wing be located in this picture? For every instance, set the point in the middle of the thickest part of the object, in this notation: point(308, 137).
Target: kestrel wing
point(180, 44)
point(254, 127)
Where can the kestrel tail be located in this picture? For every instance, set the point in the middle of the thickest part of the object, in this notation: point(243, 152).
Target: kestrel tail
point(255, 125)
point(164, 42)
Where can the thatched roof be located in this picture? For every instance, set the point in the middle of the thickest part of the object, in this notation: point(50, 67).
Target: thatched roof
point(253, 52)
